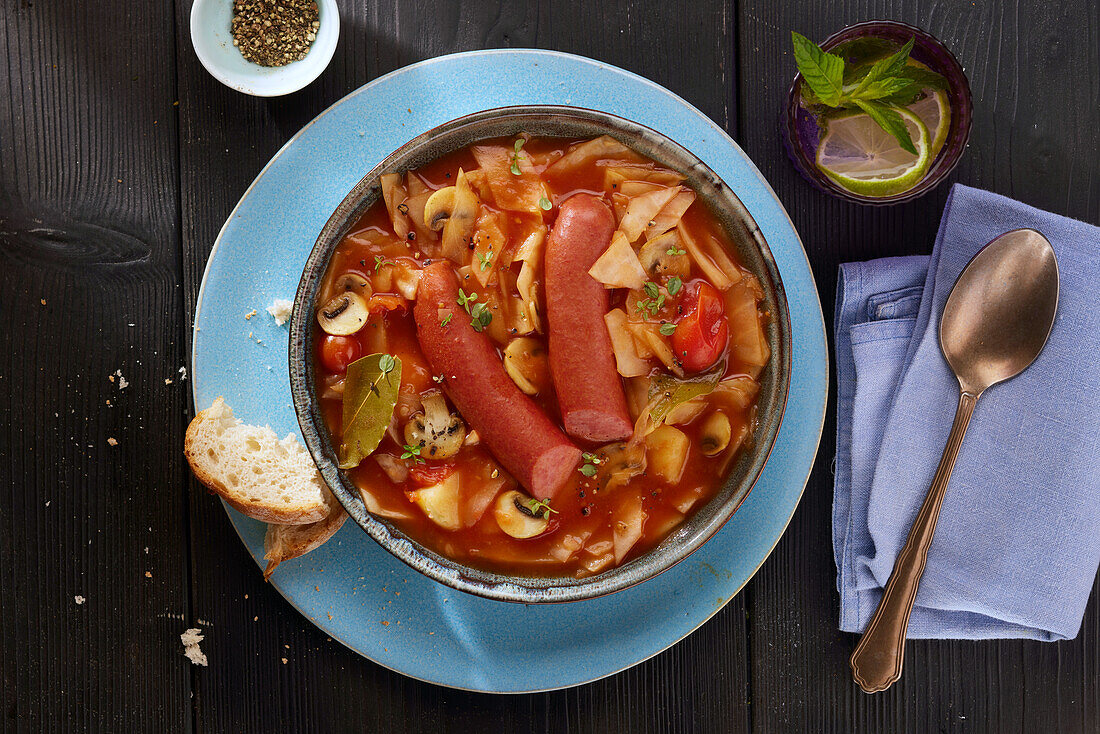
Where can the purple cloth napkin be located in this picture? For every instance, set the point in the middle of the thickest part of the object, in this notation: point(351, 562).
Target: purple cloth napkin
point(1018, 541)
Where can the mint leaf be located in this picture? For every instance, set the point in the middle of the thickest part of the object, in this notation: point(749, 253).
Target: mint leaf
point(883, 69)
point(926, 78)
point(823, 72)
point(895, 63)
point(890, 121)
point(884, 88)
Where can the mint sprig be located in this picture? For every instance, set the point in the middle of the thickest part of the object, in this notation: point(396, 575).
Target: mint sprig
point(886, 85)
point(823, 71)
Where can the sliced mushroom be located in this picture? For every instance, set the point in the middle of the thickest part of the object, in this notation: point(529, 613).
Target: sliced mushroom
point(657, 261)
point(345, 314)
point(714, 435)
point(438, 208)
point(438, 431)
point(520, 516)
point(526, 363)
point(353, 282)
point(619, 463)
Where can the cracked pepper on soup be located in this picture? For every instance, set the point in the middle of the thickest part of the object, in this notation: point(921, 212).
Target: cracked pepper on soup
point(538, 356)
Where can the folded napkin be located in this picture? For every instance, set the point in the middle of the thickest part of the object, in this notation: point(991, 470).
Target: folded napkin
point(1018, 541)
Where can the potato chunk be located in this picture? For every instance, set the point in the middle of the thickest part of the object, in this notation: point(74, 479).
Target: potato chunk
point(667, 453)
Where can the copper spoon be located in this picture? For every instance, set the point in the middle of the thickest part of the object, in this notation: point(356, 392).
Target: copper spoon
point(994, 325)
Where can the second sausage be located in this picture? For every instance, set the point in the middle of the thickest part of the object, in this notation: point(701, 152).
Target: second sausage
point(582, 363)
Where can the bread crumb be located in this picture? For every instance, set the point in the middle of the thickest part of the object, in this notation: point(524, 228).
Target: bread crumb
point(78, 599)
point(385, 623)
point(122, 383)
point(280, 310)
point(167, 381)
point(183, 373)
point(284, 661)
point(191, 639)
point(112, 442)
point(248, 316)
point(148, 574)
point(43, 301)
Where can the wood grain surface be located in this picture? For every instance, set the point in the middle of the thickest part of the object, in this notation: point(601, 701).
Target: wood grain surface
point(120, 158)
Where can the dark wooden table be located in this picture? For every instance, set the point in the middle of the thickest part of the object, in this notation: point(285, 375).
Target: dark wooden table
point(120, 157)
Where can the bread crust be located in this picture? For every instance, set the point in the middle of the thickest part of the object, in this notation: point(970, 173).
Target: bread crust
point(283, 542)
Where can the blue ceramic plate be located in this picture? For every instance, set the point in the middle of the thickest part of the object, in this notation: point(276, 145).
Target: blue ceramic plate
point(351, 588)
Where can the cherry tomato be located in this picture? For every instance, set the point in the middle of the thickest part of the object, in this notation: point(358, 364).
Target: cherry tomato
point(429, 474)
point(337, 352)
point(701, 334)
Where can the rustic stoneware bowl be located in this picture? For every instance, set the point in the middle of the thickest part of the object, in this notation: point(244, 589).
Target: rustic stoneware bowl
point(567, 122)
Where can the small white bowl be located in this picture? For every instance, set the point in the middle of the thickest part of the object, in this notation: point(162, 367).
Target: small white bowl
point(212, 38)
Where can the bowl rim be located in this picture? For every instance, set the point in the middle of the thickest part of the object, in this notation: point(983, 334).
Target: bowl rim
point(452, 573)
point(942, 167)
point(296, 75)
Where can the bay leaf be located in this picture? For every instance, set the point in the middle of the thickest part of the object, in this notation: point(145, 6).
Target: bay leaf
point(370, 394)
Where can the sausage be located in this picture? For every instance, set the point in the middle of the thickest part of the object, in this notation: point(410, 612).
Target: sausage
point(515, 429)
point(582, 363)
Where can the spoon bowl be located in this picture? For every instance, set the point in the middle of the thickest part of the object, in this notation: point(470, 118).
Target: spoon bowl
point(996, 321)
point(1001, 310)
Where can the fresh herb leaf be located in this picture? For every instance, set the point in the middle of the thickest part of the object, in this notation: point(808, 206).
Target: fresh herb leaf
point(674, 251)
point(588, 468)
point(890, 121)
point(538, 508)
point(674, 285)
point(822, 71)
point(925, 78)
point(668, 329)
point(486, 260)
point(517, 147)
point(545, 204)
point(379, 261)
point(413, 452)
point(893, 64)
point(446, 320)
point(465, 300)
point(654, 303)
point(885, 68)
point(480, 317)
point(370, 393)
point(386, 363)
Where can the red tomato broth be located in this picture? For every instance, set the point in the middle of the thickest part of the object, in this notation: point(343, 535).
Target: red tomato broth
point(581, 513)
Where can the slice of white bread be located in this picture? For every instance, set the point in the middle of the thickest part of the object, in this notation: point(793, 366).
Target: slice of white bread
point(267, 479)
point(284, 542)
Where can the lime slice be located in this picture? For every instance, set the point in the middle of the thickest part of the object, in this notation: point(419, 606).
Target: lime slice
point(935, 112)
point(865, 159)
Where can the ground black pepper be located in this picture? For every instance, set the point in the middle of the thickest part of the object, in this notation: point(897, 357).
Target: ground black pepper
point(274, 32)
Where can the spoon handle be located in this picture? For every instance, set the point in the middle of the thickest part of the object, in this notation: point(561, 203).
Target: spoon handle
point(876, 662)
